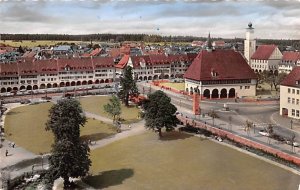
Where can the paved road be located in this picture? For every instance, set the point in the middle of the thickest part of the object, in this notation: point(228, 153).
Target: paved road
point(260, 114)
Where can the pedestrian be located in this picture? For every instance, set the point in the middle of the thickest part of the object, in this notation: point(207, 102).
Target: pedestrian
point(13, 145)
point(6, 153)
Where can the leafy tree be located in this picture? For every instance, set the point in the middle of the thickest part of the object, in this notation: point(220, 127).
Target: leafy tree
point(128, 86)
point(160, 112)
point(113, 107)
point(70, 156)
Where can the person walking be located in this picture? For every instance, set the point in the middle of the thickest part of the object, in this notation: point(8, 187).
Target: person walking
point(6, 153)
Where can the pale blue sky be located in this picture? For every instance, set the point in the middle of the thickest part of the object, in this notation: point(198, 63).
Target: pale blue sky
point(228, 19)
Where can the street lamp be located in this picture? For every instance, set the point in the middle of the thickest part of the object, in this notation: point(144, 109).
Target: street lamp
point(291, 124)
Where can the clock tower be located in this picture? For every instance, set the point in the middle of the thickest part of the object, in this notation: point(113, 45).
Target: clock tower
point(249, 43)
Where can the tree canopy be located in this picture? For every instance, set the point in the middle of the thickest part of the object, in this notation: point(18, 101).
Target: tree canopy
point(113, 107)
point(160, 112)
point(70, 156)
point(128, 85)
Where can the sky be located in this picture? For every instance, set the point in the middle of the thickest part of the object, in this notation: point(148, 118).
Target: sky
point(272, 19)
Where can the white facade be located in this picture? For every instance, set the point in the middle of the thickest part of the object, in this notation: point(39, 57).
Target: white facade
point(271, 64)
point(287, 66)
point(249, 44)
point(290, 101)
point(222, 88)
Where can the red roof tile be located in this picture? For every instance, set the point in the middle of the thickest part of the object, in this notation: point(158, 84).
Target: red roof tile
point(292, 77)
point(290, 56)
point(100, 62)
point(264, 52)
point(123, 62)
point(228, 64)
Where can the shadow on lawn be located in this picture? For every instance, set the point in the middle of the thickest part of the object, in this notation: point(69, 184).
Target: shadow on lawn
point(96, 136)
point(109, 178)
point(174, 135)
point(13, 113)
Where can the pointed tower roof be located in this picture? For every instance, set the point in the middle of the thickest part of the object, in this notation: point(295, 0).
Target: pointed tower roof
point(209, 44)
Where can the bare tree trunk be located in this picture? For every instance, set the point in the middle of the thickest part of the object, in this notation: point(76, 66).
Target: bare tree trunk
point(159, 132)
point(66, 182)
point(127, 100)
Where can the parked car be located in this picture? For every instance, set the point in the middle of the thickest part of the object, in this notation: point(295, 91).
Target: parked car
point(264, 133)
point(295, 144)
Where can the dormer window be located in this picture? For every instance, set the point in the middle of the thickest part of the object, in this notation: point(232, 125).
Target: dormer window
point(214, 73)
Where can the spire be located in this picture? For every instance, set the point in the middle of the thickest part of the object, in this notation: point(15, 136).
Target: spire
point(208, 44)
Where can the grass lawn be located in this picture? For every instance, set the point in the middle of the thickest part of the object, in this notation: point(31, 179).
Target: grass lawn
point(174, 85)
point(26, 127)
point(94, 104)
point(29, 43)
point(265, 89)
point(144, 162)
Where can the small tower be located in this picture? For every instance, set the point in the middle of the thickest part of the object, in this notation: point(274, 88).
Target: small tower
point(209, 44)
point(249, 43)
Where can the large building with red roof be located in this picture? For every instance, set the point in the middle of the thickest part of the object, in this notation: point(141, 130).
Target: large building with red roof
point(290, 94)
point(157, 66)
point(220, 74)
point(266, 58)
point(33, 74)
point(289, 61)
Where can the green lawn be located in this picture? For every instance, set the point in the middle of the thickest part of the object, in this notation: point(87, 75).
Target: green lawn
point(29, 43)
point(265, 89)
point(174, 85)
point(26, 127)
point(184, 162)
point(94, 104)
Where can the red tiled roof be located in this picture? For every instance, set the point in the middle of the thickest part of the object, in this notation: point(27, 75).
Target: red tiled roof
point(2, 51)
point(228, 64)
point(291, 56)
point(49, 66)
point(115, 52)
point(137, 59)
point(29, 54)
point(82, 64)
point(292, 77)
point(123, 62)
point(103, 62)
point(31, 67)
point(264, 52)
point(96, 52)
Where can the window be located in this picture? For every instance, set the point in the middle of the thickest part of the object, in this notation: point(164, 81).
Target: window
point(293, 100)
point(297, 101)
point(293, 112)
point(293, 91)
point(289, 90)
point(241, 87)
point(297, 113)
point(297, 91)
point(289, 100)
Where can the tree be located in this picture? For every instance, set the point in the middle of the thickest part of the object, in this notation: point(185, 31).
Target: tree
point(292, 141)
point(113, 107)
point(270, 132)
point(160, 112)
point(278, 79)
point(248, 126)
point(70, 156)
point(230, 123)
point(128, 86)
